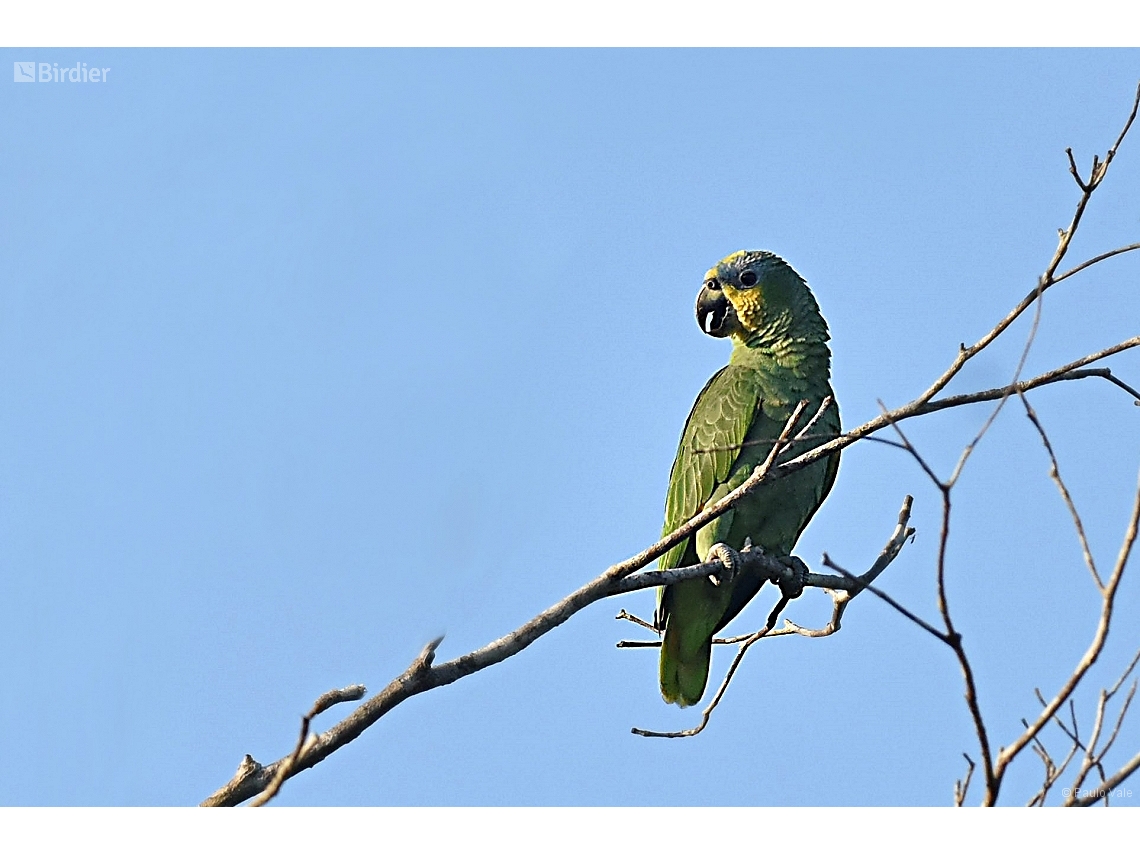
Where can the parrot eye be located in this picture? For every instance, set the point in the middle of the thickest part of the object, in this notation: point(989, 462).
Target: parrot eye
point(712, 285)
point(748, 278)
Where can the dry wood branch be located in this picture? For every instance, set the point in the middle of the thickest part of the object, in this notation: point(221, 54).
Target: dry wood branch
point(951, 636)
point(962, 785)
point(1091, 758)
point(252, 779)
point(954, 639)
point(1119, 721)
point(842, 588)
point(994, 768)
point(1092, 653)
point(706, 714)
point(1048, 279)
point(886, 598)
point(624, 615)
point(324, 702)
point(842, 596)
point(806, 430)
point(1107, 786)
point(1052, 771)
point(972, 444)
point(919, 406)
point(1094, 754)
point(422, 675)
point(1070, 371)
point(1096, 260)
point(1055, 474)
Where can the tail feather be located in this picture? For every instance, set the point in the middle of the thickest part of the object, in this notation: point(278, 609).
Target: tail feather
point(684, 672)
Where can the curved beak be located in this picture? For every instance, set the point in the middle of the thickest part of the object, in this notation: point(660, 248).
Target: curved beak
point(714, 312)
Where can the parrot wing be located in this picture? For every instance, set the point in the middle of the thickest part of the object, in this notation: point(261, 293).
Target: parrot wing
point(710, 445)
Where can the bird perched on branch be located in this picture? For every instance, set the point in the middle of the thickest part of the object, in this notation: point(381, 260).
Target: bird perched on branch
point(779, 358)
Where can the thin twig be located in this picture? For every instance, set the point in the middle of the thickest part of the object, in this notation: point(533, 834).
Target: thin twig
point(865, 432)
point(1071, 371)
point(328, 699)
point(1042, 284)
point(889, 600)
point(841, 588)
point(1096, 260)
point(1100, 636)
point(1120, 682)
point(962, 786)
point(1107, 786)
point(954, 639)
point(827, 401)
point(888, 554)
point(624, 615)
point(1052, 771)
point(1093, 757)
point(1119, 721)
point(708, 711)
point(951, 636)
point(1047, 280)
point(1055, 474)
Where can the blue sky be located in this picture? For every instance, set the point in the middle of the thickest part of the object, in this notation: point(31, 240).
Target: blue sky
point(309, 356)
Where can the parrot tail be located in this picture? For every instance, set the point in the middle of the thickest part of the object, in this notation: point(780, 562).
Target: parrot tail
point(684, 668)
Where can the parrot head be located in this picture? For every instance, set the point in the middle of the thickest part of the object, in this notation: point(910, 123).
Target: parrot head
point(754, 295)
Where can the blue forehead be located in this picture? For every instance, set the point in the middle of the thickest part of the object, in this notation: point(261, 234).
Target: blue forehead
point(758, 260)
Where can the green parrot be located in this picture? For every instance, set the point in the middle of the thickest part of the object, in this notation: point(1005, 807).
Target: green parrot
point(779, 357)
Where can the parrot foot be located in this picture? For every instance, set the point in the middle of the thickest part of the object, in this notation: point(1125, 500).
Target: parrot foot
point(728, 557)
point(792, 588)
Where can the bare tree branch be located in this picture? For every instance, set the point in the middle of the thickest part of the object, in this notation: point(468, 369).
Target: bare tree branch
point(1096, 260)
point(1070, 371)
point(951, 636)
point(328, 699)
point(1107, 786)
point(624, 615)
point(250, 780)
point(841, 596)
point(886, 598)
point(955, 641)
point(1053, 772)
point(1008, 754)
point(1092, 757)
point(1055, 474)
point(708, 711)
point(962, 786)
point(422, 675)
point(915, 409)
point(842, 589)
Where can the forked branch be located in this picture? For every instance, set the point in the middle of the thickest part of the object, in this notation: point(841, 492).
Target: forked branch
point(843, 589)
point(423, 675)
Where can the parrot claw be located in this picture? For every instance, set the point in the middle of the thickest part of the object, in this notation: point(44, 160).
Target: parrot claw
point(792, 588)
point(728, 557)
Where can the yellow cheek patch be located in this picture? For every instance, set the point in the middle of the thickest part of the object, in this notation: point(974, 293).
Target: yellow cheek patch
point(749, 305)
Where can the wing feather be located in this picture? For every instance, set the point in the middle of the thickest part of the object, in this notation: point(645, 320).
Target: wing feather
point(710, 445)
